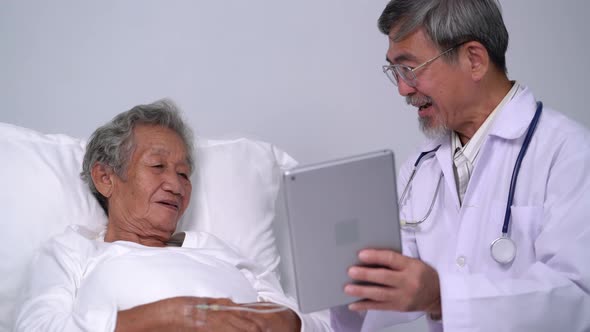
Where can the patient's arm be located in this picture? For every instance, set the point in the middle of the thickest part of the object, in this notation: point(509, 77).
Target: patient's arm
point(267, 285)
point(286, 320)
point(182, 314)
point(51, 300)
point(50, 304)
point(47, 302)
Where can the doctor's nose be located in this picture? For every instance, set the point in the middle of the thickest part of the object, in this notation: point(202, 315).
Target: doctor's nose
point(404, 89)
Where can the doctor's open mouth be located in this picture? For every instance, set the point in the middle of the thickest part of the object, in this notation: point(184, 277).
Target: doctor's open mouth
point(424, 110)
point(422, 103)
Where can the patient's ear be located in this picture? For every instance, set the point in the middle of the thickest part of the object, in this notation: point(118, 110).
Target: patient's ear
point(102, 176)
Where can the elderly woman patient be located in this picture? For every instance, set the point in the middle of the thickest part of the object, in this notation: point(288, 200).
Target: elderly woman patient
point(134, 275)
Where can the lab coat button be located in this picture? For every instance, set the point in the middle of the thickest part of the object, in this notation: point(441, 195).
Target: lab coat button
point(461, 261)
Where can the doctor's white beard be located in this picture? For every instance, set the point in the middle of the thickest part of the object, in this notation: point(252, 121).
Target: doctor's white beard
point(434, 132)
point(434, 127)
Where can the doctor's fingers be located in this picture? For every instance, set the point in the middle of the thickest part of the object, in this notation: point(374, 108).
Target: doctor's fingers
point(388, 258)
point(371, 292)
point(382, 298)
point(414, 288)
point(378, 275)
point(376, 305)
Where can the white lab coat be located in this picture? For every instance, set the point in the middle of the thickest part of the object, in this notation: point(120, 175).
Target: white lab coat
point(547, 287)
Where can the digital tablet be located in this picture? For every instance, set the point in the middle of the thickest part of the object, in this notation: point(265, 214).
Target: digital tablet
point(333, 210)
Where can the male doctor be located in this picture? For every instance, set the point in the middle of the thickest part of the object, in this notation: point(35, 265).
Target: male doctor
point(464, 266)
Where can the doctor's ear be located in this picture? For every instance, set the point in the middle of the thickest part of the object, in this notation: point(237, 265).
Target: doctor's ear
point(103, 176)
point(477, 58)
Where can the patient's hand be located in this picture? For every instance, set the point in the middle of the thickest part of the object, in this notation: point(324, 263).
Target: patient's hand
point(182, 314)
point(286, 320)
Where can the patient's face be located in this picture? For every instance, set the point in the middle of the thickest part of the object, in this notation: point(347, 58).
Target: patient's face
point(157, 189)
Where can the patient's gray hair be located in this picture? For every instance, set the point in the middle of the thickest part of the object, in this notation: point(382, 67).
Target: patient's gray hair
point(112, 144)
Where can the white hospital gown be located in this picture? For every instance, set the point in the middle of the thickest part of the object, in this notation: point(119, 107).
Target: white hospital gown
point(79, 283)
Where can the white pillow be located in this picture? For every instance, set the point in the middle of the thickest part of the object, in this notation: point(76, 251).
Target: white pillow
point(41, 192)
point(234, 190)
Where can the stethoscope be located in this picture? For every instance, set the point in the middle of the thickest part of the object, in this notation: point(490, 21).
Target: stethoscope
point(503, 249)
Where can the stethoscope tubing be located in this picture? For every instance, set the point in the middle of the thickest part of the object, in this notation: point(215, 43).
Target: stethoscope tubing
point(426, 154)
point(503, 249)
point(521, 154)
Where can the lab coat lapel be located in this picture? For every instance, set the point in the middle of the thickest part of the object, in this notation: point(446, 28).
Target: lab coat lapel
point(511, 123)
point(443, 156)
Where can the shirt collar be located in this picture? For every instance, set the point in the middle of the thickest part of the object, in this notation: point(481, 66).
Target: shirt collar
point(514, 120)
point(471, 149)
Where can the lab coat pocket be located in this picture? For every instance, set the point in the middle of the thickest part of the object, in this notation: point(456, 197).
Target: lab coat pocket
point(525, 226)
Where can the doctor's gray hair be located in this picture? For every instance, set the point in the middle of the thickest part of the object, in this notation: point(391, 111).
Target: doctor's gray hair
point(449, 23)
point(113, 143)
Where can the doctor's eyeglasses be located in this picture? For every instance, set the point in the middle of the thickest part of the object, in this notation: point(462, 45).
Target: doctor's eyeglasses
point(396, 71)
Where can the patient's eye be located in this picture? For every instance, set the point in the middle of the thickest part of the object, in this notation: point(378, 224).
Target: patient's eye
point(184, 175)
point(157, 167)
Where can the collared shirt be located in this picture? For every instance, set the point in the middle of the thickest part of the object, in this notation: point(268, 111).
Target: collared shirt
point(464, 157)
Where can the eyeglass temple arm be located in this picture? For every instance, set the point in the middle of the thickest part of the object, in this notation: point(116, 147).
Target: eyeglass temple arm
point(436, 57)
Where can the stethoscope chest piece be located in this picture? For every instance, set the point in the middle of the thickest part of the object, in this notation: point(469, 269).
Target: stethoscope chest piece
point(503, 250)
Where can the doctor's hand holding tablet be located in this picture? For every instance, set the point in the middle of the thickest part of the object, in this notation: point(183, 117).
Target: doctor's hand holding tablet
point(400, 283)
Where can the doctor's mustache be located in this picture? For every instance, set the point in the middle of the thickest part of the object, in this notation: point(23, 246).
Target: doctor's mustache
point(418, 100)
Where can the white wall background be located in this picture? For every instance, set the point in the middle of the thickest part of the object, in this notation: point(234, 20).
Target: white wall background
point(305, 75)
